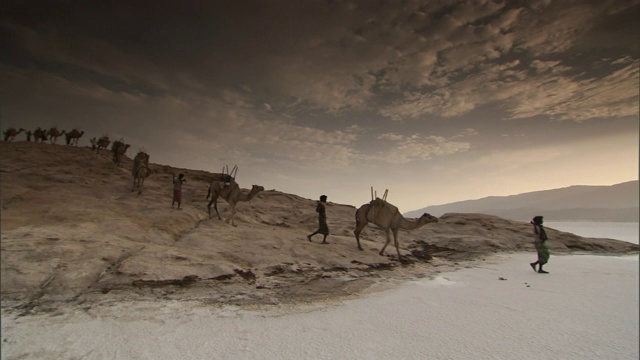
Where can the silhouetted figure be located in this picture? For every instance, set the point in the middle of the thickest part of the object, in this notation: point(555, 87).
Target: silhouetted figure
point(540, 237)
point(322, 220)
point(177, 189)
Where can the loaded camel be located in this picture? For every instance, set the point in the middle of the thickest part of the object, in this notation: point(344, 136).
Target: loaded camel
point(102, 143)
point(54, 133)
point(67, 138)
point(73, 136)
point(11, 133)
point(221, 180)
point(388, 218)
point(40, 135)
point(140, 170)
point(230, 191)
point(119, 148)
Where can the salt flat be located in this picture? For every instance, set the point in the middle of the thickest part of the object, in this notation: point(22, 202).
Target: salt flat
point(586, 308)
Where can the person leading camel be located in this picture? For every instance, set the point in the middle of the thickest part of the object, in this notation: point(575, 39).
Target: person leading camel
point(322, 220)
point(177, 189)
point(540, 238)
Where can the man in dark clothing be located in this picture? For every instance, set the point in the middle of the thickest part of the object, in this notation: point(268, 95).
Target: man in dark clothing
point(540, 237)
point(177, 189)
point(322, 220)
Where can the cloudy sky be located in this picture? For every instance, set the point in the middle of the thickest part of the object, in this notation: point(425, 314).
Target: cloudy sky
point(437, 101)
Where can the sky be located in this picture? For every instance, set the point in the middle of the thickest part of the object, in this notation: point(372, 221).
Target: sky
point(434, 101)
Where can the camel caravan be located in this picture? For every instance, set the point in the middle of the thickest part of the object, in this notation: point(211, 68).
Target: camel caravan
point(223, 185)
point(41, 135)
point(118, 148)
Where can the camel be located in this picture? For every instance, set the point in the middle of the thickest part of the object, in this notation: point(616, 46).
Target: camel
point(225, 178)
point(221, 179)
point(388, 218)
point(140, 171)
point(102, 143)
point(232, 194)
point(54, 133)
point(119, 148)
point(11, 133)
point(68, 137)
point(73, 136)
point(39, 135)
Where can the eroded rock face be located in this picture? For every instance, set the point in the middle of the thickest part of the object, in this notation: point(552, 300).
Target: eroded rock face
point(72, 231)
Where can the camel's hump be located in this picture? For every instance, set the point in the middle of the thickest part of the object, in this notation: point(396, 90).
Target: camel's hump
point(381, 211)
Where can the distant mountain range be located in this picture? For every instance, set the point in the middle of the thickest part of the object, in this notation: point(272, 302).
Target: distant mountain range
point(616, 203)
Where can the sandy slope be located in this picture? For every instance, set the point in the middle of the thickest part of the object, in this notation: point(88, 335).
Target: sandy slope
point(73, 232)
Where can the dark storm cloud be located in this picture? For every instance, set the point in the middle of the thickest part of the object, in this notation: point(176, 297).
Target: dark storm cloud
point(343, 86)
point(334, 56)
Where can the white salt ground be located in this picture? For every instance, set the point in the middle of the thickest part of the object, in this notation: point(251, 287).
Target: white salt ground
point(586, 308)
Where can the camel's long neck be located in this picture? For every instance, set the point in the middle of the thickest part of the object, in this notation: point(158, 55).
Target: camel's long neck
point(248, 196)
point(409, 224)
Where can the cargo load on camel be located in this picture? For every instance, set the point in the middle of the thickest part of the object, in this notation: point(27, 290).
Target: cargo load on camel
point(379, 210)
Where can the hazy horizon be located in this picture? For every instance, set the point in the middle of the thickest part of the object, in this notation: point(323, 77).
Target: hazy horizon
point(437, 102)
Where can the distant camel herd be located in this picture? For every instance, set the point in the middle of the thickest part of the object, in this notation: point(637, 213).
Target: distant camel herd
point(42, 135)
point(140, 169)
point(378, 211)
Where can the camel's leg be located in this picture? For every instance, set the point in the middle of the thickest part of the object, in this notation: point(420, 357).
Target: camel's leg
point(209, 206)
point(134, 184)
point(233, 213)
point(357, 231)
point(395, 242)
point(140, 186)
point(215, 206)
point(386, 243)
point(208, 192)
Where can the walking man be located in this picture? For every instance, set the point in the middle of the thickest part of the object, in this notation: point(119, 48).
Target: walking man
point(540, 237)
point(322, 220)
point(177, 189)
